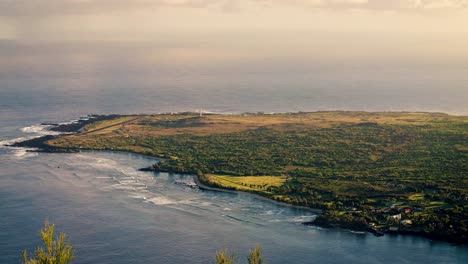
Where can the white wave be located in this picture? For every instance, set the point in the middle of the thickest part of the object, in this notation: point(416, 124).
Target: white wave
point(74, 121)
point(98, 163)
point(204, 204)
point(139, 197)
point(187, 202)
point(130, 174)
point(24, 153)
point(7, 142)
point(160, 201)
point(303, 218)
point(274, 221)
point(358, 232)
point(139, 185)
point(33, 129)
point(122, 187)
point(42, 130)
point(37, 130)
point(19, 153)
point(132, 182)
point(67, 123)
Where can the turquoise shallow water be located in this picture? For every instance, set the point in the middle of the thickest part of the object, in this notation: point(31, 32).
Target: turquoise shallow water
point(115, 214)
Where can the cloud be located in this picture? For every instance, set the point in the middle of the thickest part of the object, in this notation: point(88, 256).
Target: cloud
point(384, 4)
point(35, 8)
point(38, 8)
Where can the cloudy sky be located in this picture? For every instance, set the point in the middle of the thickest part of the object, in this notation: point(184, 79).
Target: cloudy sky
point(425, 27)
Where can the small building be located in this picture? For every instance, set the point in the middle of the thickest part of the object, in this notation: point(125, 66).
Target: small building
point(406, 222)
point(396, 217)
point(407, 210)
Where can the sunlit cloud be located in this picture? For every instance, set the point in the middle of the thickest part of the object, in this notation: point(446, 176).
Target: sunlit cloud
point(276, 26)
point(32, 8)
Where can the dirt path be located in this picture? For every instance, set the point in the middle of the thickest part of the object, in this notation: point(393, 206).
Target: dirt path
point(106, 127)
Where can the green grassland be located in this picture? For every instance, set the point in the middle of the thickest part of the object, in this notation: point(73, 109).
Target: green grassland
point(353, 165)
point(246, 183)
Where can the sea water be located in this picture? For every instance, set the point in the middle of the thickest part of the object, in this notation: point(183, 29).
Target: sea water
point(115, 214)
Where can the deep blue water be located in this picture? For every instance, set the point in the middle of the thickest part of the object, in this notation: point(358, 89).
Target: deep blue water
point(115, 214)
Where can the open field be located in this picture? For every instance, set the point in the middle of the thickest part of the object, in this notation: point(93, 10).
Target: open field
point(246, 183)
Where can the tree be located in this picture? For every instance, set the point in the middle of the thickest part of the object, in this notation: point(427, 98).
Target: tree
point(55, 250)
point(255, 256)
point(223, 257)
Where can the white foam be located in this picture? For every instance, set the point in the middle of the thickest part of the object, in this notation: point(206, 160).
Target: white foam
point(127, 181)
point(33, 129)
point(357, 232)
point(24, 153)
point(74, 121)
point(303, 218)
point(100, 163)
point(139, 197)
point(19, 153)
point(122, 187)
point(7, 142)
point(37, 130)
point(42, 130)
point(160, 201)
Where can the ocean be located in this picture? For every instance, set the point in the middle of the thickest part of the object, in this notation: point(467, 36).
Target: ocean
point(115, 214)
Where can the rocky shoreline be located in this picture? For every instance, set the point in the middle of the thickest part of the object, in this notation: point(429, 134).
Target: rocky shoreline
point(387, 231)
point(39, 145)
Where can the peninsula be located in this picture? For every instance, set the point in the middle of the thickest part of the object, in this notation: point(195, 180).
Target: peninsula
point(383, 172)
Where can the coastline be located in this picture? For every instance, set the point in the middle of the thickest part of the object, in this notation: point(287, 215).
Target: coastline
point(253, 195)
point(256, 196)
point(204, 187)
point(376, 232)
point(40, 146)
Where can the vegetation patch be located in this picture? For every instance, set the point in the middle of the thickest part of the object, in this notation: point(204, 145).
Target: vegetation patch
point(246, 183)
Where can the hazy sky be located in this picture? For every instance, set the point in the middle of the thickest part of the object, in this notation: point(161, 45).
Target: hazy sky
point(393, 27)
